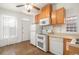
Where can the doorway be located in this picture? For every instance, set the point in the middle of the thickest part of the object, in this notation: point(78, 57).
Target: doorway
point(25, 30)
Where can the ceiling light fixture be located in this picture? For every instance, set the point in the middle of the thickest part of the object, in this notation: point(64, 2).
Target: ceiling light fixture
point(28, 7)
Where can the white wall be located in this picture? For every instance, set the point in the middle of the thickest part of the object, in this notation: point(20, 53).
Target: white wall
point(19, 17)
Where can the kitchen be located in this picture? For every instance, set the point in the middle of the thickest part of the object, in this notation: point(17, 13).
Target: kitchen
point(39, 29)
point(58, 29)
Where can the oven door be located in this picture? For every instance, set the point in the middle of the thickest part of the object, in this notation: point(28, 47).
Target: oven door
point(42, 42)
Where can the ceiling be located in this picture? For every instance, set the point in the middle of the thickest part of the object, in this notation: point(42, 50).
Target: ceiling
point(12, 7)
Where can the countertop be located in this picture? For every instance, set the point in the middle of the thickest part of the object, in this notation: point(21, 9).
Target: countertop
point(75, 45)
point(64, 35)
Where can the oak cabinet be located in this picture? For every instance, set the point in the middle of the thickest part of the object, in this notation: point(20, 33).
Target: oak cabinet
point(60, 15)
point(73, 50)
point(53, 18)
point(46, 11)
point(37, 18)
point(66, 45)
point(42, 13)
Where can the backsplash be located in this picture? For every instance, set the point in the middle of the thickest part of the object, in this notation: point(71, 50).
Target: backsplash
point(47, 29)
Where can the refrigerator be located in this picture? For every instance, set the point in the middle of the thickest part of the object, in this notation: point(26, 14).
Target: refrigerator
point(35, 29)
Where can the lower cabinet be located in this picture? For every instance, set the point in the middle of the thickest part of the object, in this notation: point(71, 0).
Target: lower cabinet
point(56, 45)
point(73, 50)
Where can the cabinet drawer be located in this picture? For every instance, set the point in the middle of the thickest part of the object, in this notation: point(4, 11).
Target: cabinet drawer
point(73, 50)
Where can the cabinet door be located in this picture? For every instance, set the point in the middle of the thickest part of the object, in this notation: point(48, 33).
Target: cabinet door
point(53, 17)
point(56, 45)
point(73, 50)
point(46, 11)
point(60, 16)
point(42, 13)
point(37, 17)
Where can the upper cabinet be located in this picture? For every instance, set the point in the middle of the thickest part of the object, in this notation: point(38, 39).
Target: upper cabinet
point(60, 15)
point(47, 16)
point(53, 18)
point(46, 11)
point(37, 18)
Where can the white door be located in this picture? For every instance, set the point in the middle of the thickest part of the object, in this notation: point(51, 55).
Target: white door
point(25, 30)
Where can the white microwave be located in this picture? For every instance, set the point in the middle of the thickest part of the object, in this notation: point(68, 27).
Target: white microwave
point(44, 21)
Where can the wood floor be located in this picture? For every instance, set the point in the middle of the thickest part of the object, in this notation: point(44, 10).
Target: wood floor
point(23, 48)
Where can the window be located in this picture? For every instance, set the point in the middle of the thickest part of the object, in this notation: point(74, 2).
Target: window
point(9, 26)
point(71, 25)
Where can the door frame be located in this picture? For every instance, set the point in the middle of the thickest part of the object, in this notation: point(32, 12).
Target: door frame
point(22, 27)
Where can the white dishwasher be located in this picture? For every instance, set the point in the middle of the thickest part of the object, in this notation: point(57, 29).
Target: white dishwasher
point(42, 42)
point(56, 45)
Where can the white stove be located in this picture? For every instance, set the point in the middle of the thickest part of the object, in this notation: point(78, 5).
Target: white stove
point(42, 42)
